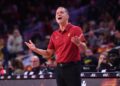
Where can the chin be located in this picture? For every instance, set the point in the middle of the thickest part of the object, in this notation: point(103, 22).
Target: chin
point(60, 22)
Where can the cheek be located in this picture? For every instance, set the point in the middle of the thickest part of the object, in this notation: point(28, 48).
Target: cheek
point(55, 17)
point(66, 18)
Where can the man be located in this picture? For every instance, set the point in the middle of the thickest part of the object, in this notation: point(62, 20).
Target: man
point(35, 63)
point(66, 43)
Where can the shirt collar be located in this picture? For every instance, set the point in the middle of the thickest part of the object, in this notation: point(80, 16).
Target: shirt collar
point(66, 29)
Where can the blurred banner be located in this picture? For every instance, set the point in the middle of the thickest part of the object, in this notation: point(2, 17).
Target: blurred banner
point(35, 82)
point(87, 79)
point(52, 82)
point(100, 82)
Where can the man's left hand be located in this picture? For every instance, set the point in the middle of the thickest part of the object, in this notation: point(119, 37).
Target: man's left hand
point(76, 40)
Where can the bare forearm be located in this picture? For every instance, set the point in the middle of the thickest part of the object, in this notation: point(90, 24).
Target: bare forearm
point(44, 53)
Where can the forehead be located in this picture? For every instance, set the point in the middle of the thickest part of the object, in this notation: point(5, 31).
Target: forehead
point(16, 31)
point(61, 9)
point(34, 58)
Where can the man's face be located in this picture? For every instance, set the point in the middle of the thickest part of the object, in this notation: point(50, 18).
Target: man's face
point(117, 34)
point(61, 15)
point(16, 33)
point(35, 62)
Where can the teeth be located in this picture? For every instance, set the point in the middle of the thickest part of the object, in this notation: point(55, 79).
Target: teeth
point(59, 18)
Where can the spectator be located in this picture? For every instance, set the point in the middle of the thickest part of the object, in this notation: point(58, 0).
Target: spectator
point(35, 64)
point(18, 67)
point(3, 52)
point(92, 40)
point(26, 60)
point(10, 69)
point(2, 70)
point(103, 64)
point(14, 43)
point(89, 61)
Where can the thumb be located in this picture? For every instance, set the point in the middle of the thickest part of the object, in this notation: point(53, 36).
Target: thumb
point(31, 42)
point(80, 36)
point(26, 43)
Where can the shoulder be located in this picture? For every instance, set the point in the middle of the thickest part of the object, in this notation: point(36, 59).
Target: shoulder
point(54, 33)
point(76, 28)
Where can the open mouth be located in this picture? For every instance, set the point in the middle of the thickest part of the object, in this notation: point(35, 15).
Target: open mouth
point(59, 18)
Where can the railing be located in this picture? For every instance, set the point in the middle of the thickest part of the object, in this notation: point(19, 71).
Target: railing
point(52, 76)
point(87, 79)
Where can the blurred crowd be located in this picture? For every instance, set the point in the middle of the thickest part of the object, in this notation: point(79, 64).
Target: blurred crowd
point(23, 20)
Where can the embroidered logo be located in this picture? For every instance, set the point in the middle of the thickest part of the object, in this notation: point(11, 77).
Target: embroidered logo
point(56, 37)
point(69, 34)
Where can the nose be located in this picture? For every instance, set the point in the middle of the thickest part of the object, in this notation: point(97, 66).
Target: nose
point(58, 14)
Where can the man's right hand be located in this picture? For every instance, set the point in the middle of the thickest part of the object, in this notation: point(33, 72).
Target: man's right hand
point(30, 45)
point(45, 53)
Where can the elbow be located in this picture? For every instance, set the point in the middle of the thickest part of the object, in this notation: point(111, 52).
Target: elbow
point(47, 55)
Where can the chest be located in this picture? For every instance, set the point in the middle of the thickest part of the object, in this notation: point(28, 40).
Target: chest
point(62, 39)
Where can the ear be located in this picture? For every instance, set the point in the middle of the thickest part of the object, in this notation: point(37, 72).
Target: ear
point(68, 17)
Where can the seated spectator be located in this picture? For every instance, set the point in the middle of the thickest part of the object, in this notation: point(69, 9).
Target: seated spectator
point(17, 67)
point(10, 69)
point(92, 40)
point(103, 64)
point(35, 64)
point(26, 59)
point(51, 64)
point(2, 70)
point(3, 52)
point(37, 67)
point(89, 61)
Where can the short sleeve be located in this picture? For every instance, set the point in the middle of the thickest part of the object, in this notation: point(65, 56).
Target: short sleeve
point(51, 44)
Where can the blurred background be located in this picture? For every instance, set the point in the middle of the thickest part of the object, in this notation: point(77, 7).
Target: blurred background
point(22, 20)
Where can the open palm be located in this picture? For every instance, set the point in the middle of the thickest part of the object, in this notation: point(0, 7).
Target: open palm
point(30, 45)
point(76, 40)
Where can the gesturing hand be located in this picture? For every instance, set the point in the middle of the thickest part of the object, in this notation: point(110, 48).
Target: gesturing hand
point(76, 40)
point(30, 45)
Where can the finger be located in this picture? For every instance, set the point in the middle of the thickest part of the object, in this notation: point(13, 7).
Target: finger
point(80, 36)
point(30, 41)
point(27, 43)
point(77, 39)
point(73, 39)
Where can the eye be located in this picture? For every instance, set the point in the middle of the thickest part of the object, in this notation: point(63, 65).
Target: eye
point(61, 12)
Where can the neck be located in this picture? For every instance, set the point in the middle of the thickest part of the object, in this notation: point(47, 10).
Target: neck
point(63, 26)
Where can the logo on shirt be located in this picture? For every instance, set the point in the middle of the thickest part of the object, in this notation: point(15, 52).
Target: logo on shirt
point(56, 37)
point(69, 34)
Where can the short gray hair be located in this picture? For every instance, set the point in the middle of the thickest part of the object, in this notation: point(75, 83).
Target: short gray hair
point(64, 8)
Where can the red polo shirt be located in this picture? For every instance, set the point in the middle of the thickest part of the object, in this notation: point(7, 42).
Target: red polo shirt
point(65, 50)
